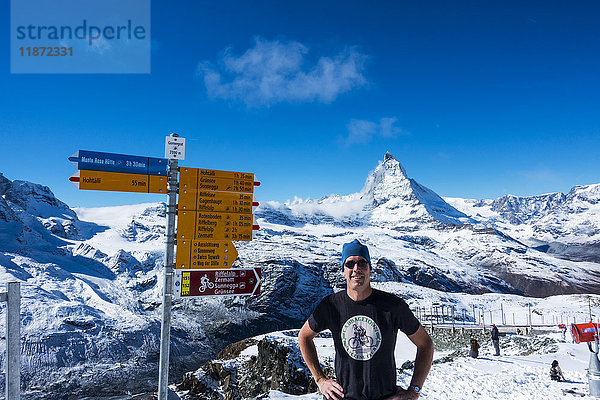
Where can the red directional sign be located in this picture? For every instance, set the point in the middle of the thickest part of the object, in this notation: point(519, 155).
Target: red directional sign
point(217, 282)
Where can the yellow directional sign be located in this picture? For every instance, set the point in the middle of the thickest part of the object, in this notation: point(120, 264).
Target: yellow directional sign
point(208, 179)
point(188, 178)
point(120, 182)
point(212, 173)
point(200, 225)
point(200, 254)
point(225, 185)
point(207, 200)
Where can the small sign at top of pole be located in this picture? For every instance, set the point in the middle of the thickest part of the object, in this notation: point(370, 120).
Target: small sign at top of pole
point(175, 147)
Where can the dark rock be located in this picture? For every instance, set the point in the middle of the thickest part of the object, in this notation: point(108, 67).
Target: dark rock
point(385, 271)
point(277, 366)
point(233, 350)
point(408, 365)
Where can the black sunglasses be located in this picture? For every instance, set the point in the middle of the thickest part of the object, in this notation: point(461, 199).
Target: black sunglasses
point(362, 264)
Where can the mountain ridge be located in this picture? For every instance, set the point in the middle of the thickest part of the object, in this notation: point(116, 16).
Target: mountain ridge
point(92, 278)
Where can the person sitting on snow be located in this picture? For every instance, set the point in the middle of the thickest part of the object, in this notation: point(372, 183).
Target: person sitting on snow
point(474, 352)
point(556, 373)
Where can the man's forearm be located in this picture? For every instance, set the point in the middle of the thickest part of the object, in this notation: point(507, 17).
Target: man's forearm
point(309, 353)
point(422, 365)
point(329, 387)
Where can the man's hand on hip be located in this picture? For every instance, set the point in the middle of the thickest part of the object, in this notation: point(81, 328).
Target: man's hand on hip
point(330, 389)
point(403, 394)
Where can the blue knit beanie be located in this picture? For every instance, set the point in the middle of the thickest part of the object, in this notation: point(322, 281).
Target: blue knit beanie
point(355, 248)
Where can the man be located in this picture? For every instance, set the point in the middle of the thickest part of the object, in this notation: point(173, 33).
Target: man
point(364, 323)
point(496, 339)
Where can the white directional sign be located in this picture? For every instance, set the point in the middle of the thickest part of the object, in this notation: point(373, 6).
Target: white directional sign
point(175, 148)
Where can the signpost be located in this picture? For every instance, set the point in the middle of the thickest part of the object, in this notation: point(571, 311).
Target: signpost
point(222, 181)
point(111, 162)
point(191, 175)
point(165, 328)
point(205, 254)
point(215, 207)
point(175, 147)
point(200, 225)
point(207, 200)
point(119, 182)
point(119, 172)
point(211, 173)
point(225, 185)
point(219, 282)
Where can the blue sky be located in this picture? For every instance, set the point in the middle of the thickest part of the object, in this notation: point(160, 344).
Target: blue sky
point(476, 99)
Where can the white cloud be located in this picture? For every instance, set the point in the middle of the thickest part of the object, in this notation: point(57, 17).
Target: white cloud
point(387, 128)
point(277, 71)
point(542, 174)
point(362, 131)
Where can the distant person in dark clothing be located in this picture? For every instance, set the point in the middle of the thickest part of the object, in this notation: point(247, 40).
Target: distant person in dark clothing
point(496, 339)
point(474, 352)
point(556, 373)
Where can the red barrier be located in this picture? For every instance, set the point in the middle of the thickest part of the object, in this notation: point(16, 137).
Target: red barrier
point(584, 332)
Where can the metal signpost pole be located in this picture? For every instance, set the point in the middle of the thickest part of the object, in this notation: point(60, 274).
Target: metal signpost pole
point(12, 297)
point(165, 334)
point(483, 318)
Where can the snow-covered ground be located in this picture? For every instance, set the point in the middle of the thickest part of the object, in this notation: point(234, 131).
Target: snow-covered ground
point(509, 377)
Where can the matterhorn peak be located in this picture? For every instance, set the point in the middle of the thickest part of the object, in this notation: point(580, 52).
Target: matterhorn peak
point(389, 191)
point(391, 166)
point(387, 178)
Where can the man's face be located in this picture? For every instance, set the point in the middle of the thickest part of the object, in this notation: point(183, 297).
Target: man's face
point(359, 275)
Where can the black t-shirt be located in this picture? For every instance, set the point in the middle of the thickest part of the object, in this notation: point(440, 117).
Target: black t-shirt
point(364, 335)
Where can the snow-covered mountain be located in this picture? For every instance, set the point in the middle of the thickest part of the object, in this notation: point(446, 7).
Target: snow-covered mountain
point(388, 199)
point(566, 226)
point(471, 246)
point(92, 277)
point(395, 200)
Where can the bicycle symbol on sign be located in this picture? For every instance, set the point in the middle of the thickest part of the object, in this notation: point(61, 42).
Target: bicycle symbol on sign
point(205, 283)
